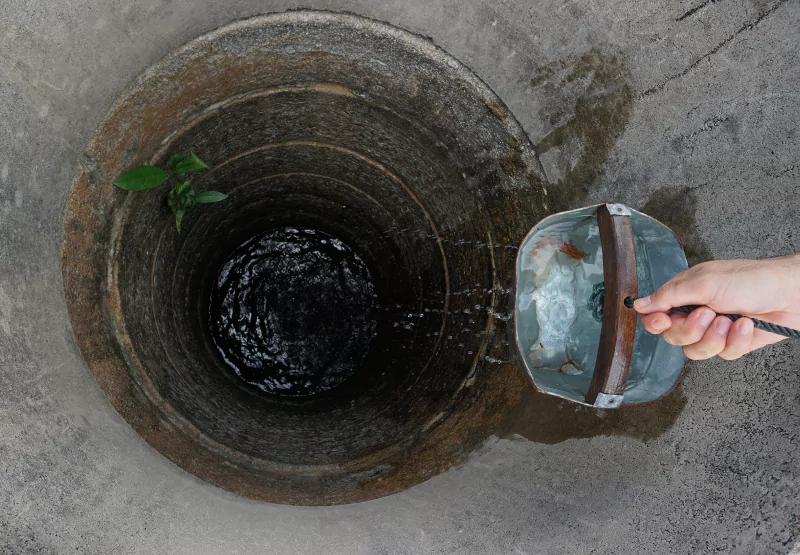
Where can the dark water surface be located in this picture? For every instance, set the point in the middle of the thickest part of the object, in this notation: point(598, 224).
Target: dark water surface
point(293, 311)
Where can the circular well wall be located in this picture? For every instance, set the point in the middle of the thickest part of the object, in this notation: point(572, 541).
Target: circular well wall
point(317, 121)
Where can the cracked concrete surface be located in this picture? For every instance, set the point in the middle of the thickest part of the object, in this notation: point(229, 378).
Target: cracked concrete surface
point(696, 114)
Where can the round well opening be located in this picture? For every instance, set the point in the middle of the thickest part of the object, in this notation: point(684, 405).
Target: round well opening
point(317, 126)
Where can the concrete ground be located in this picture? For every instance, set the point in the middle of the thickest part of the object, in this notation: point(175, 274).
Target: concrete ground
point(687, 108)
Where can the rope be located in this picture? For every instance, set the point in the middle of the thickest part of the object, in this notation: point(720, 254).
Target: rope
point(759, 324)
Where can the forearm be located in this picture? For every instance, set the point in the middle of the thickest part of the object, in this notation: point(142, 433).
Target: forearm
point(788, 270)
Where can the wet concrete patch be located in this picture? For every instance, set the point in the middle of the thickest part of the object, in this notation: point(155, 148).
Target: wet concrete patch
point(588, 102)
point(676, 207)
point(546, 419)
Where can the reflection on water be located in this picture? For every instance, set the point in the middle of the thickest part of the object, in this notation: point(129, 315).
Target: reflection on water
point(293, 311)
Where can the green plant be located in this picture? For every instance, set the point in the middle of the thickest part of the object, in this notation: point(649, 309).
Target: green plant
point(181, 197)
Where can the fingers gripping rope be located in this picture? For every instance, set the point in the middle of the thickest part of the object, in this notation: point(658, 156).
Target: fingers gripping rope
point(759, 324)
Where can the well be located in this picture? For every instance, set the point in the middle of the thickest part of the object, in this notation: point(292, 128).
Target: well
point(317, 121)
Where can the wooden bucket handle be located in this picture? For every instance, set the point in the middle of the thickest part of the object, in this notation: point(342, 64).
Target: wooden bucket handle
point(618, 330)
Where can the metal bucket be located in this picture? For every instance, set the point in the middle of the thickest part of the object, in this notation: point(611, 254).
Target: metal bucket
point(572, 332)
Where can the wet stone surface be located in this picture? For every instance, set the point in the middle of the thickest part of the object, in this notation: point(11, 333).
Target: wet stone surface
point(293, 311)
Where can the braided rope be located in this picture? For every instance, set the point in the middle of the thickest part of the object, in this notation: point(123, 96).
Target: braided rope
point(759, 324)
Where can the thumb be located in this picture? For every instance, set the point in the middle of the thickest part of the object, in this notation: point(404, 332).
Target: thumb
point(683, 289)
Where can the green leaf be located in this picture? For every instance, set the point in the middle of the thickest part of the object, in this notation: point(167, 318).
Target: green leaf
point(192, 164)
point(187, 201)
point(178, 217)
point(140, 178)
point(209, 196)
point(181, 185)
point(284, 140)
point(174, 160)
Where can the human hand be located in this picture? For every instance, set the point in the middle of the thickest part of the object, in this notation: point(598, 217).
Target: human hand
point(765, 289)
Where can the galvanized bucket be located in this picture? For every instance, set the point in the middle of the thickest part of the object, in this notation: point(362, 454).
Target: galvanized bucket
point(572, 331)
